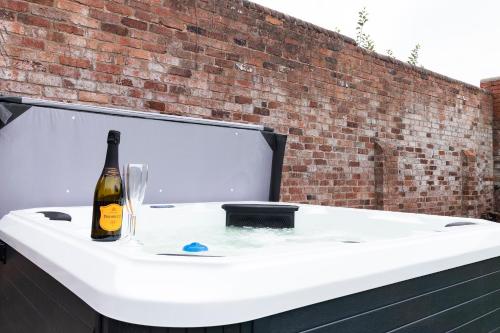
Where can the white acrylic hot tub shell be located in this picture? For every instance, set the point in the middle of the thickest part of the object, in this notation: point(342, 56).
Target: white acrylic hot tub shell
point(131, 285)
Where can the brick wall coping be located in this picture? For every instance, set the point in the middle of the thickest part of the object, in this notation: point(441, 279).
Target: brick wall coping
point(295, 21)
point(490, 79)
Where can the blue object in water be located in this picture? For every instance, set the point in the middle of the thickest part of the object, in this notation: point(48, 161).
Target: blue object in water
point(195, 247)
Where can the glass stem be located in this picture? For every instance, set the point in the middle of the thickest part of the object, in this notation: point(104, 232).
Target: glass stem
point(129, 222)
point(131, 226)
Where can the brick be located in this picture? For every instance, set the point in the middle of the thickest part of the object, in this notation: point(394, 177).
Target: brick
point(178, 90)
point(33, 20)
point(143, 5)
point(251, 118)
point(156, 48)
point(6, 15)
point(256, 45)
point(273, 105)
point(240, 41)
point(273, 20)
point(43, 2)
point(136, 93)
point(142, 54)
point(12, 27)
point(295, 131)
point(215, 53)
point(159, 106)
point(261, 111)
point(74, 61)
point(114, 29)
point(21, 88)
point(233, 57)
point(134, 23)
point(172, 22)
point(144, 16)
point(92, 3)
point(64, 71)
point(60, 93)
point(196, 30)
point(159, 29)
point(242, 100)
point(12, 74)
point(224, 63)
point(110, 48)
point(84, 20)
point(192, 47)
point(70, 29)
point(158, 86)
point(108, 68)
point(219, 114)
point(212, 69)
point(125, 82)
point(56, 37)
point(274, 50)
point(72, 6)
point(270, 66)
point(32, 43)
point(179, 71)
point(338, 45)
point(14, 5)
point(130, 42)
point(124, 101)
point(101, 77)
point(87, 96)
point(119, 8)
point(106, 17)
point(78, 84)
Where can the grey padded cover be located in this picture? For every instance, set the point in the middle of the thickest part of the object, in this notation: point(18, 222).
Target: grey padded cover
point(53, 157)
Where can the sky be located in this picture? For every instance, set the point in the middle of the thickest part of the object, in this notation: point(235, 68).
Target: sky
point(459, 39)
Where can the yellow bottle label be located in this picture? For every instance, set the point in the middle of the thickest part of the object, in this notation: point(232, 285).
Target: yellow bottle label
point(111, 217)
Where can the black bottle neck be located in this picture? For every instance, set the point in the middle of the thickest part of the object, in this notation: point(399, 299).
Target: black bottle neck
point(112, 156)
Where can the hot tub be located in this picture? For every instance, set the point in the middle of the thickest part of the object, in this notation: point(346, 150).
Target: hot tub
point(338, 270)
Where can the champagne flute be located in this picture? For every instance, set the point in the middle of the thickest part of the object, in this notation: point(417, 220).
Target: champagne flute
point(136, 178)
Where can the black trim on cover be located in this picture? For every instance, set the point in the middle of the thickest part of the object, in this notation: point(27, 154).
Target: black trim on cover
point(277, 142)
point(10, 111)
point(11, 99)
point(3, 252)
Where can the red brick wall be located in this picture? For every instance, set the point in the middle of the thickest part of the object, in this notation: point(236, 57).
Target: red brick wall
point(493, 85)
point(364, 130)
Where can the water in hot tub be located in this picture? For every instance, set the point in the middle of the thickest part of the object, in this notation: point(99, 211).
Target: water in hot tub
point(168, 230)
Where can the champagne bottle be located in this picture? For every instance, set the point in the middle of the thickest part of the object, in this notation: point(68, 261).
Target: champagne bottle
point(108, 196)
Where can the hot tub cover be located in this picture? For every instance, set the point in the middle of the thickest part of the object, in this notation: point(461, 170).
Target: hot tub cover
point(52, 153)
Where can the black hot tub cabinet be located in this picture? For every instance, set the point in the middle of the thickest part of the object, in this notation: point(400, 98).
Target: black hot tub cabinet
point(414, 274)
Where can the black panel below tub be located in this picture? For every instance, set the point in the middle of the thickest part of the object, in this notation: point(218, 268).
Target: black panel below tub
point(459, 300)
